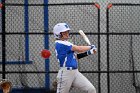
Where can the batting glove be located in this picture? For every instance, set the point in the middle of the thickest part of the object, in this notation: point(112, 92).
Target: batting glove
point(92, 46)
point(92, 51)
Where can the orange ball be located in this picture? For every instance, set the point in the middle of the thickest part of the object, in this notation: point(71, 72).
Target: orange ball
point(0, 5)
point(45, 53)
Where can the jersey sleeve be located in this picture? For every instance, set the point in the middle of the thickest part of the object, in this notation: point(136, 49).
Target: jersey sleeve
point(68, 48)
point(64, 47)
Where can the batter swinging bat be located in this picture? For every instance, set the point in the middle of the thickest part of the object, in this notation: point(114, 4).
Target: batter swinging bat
point(84, 37)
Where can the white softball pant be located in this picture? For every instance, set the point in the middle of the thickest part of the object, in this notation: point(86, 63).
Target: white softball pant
point(73, 78)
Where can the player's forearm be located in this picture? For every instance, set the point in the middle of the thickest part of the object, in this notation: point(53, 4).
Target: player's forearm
point(81, 49)
point(89, 52)
point(81, 55)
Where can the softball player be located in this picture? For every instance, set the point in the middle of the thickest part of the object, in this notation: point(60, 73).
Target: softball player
point(68, 75)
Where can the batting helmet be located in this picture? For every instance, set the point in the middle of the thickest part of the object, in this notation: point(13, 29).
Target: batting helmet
point(60, 27)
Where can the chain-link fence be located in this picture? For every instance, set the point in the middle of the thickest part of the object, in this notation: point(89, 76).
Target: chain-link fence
point(26, 34)
point(114, 29)
point(123, 46)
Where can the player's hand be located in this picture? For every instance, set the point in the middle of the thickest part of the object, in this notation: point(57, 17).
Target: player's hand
point(92, 51)
point(92, 46)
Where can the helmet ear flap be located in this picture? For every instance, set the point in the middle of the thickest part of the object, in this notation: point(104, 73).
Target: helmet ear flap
point(58, 36)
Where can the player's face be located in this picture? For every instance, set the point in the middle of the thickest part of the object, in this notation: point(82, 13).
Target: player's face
point(65, 35)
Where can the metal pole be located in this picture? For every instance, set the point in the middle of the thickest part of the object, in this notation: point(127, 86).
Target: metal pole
point(3, 39)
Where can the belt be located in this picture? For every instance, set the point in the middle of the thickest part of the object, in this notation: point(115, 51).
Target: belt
point(69, 68)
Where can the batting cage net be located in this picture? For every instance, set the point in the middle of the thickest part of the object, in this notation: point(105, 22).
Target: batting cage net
point(123, 47)
point(26, 29)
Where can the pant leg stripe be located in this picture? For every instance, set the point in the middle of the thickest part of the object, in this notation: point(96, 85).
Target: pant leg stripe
point(60, 81)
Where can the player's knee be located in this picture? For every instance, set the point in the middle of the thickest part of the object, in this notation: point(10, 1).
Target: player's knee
point(92, 90)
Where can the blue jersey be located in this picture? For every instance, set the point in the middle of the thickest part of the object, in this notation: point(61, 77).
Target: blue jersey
point(64, 54)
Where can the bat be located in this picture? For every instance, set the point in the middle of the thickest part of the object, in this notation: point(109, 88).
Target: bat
point(81, 32)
